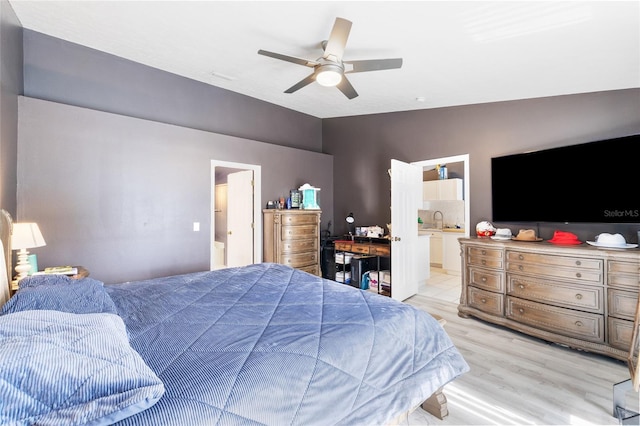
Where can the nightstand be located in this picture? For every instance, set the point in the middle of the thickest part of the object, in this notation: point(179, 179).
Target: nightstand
point(82, 273)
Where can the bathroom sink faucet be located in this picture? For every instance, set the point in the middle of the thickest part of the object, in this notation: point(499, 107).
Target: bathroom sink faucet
point(435, 221)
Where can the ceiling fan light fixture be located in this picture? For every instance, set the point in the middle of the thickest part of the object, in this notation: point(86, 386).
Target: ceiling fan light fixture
point(329, 75)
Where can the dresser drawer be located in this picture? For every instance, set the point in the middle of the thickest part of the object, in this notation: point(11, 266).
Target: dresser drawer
point(341, 246)
point(297, 246)
point(486, 279)
point(619, 333)
point(484, 252)
point(568, 322)
point(296, 232)
point(312, 269)
point(627, 281)
point(380, 250)
point(360, 248)
point(622, 304)
point(566, 295)
point(578, 274)
point(486, 257)
point(617, 266)
point(565, 261)
point(624, 274)
point(486, 262)
point(299, 219)
point(486, 301)
point(300, 259)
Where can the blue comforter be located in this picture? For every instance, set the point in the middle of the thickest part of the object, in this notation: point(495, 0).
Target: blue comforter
point(268, 344)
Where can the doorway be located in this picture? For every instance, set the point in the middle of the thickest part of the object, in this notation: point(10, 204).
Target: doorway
point(236, 218)
point(464, 158)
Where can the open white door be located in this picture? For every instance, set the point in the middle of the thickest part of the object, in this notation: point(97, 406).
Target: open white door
point(240, 218)
point(406, 199)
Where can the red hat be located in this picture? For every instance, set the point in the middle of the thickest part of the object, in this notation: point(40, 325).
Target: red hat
point(565, 238)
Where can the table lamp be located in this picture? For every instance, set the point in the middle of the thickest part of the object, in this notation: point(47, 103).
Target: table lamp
point(351, 227)
point(25, 235)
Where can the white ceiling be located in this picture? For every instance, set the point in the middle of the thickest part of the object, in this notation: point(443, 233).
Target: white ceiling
point(454, 52)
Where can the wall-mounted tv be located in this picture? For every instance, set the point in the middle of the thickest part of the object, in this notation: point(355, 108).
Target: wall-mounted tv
point(595, 182)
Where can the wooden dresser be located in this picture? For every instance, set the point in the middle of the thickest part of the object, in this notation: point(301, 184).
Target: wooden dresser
point(292, 237)
point(579, 296)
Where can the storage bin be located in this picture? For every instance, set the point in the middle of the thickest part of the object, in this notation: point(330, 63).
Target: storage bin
point(343, 277)
point(344, 258)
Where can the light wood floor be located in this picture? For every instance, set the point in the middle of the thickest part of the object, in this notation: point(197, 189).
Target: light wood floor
point(516, 379)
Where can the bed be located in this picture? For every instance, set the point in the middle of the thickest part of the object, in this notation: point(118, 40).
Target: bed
point(263, 344)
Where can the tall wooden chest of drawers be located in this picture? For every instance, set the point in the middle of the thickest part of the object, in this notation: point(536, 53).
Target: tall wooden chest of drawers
point(579, 296)
point(292, 237)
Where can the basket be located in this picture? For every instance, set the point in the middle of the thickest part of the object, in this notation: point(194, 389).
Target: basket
point(343, 258)
point(343, 277)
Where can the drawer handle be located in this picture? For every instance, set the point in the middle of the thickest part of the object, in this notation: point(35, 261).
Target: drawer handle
point(578, 296)
point(484, 262)
point(520, 267)
point(578, 323)
point(521, 286)
point(483, 279)
point(578, 263)
point(521, 310)
point(483, 300)
point(484, 252)
point(579, 275)
point(521, 257)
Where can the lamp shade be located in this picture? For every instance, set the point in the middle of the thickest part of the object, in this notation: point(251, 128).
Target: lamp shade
point(26, 235)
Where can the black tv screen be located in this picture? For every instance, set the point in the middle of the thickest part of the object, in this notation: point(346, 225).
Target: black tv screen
point(596, 182)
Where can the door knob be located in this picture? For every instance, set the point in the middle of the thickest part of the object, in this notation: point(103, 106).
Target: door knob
point(229, 232)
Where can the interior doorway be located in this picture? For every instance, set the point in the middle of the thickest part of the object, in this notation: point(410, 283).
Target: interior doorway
point(236, 215)
point(464, 159)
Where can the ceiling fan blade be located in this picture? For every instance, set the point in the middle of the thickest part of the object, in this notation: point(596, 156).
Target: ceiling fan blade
point(374, 65)
point(299, 85)
point(346, 88)
point(334, 48)
point(287, 58)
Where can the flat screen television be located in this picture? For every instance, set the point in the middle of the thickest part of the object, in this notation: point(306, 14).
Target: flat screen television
point(595, 182)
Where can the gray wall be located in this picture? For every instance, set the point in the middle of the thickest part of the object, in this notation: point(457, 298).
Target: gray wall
point(10, 88)
point(363, 146)
point(64, 72)
point(69, 74)
point(119, 195)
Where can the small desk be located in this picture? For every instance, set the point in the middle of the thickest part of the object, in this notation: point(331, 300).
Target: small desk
point(379, 247)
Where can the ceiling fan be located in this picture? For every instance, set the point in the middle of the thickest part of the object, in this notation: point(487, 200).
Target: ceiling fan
point(330, 69)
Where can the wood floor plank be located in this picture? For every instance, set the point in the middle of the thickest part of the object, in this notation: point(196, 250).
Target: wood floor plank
point(517, 379)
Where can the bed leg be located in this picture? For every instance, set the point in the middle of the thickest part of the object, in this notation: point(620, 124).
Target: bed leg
point(436, 405)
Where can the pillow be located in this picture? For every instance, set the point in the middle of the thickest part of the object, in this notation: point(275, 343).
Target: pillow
point(60, 293)
point(63, 368)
